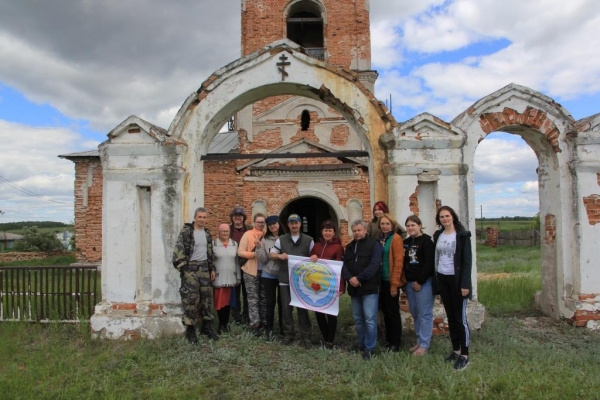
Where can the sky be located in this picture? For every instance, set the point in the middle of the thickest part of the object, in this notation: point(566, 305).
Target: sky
point(71, 70)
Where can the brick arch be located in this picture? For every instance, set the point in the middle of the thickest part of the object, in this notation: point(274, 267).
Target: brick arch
point(532, 118)
point(258, 76)
point(544, 125)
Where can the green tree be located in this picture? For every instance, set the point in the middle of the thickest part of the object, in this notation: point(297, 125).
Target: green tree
point(33, 240)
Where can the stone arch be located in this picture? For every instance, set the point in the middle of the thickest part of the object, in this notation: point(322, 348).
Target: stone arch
point(258, 76)
point(543, 124)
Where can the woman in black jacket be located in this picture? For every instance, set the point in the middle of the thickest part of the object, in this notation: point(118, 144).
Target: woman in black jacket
point(453, 258)
point(418, 269)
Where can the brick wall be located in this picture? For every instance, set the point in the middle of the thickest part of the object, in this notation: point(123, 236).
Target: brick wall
point(592, 208)
point(550, 227)
point(346, 34)
point(88, 214)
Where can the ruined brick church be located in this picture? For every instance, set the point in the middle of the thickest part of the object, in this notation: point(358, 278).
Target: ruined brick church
point(307, 136)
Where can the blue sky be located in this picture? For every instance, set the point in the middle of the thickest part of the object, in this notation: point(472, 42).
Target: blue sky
point(65, 84)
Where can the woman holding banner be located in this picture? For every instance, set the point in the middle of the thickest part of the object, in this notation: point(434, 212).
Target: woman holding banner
point(329, 247)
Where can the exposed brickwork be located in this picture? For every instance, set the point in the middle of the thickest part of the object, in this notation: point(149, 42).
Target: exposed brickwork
point(491, 236)
point(265, 104)
point(222, 191)
point(531, 117)
point(592, 207)
point(339, 135)
point(581, 317)
point(346, 33)
point(88, 218)
point(413, 202)
point(267, 139)
point(550, 223)
point(307, 134)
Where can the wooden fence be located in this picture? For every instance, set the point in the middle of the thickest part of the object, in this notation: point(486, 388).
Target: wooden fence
point(49, 293)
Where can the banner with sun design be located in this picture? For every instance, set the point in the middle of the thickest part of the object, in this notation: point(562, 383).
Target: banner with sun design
point(315, 285)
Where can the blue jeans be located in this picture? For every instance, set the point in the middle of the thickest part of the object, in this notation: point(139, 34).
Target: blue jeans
point(364, 311)
point(421, 308)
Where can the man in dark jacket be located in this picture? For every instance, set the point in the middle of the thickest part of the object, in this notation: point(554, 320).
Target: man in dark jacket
point(193, 258)
point(362, 270)
point(294, 243)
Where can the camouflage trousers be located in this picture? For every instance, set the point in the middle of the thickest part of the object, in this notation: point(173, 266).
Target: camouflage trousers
point(257, 302)
point(196, 292)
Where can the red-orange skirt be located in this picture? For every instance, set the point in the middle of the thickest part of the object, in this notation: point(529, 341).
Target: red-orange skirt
point(224, 297)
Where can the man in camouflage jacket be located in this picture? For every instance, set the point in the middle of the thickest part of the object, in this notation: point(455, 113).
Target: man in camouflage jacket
point(193, 258)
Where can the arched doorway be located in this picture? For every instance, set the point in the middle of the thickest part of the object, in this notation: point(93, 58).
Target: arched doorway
point(313, 212)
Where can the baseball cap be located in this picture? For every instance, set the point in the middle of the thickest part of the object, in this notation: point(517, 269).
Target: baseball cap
point(294, 217)
point(238, 211)
point(271, 219)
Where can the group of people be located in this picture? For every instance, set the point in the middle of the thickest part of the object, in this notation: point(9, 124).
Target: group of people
point(244, 274)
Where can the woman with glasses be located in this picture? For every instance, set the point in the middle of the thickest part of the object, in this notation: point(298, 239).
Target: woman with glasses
point(251, 272)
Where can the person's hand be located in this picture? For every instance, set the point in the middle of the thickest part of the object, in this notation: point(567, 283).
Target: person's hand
point(314, 258)
point(416, 287)
point(393, 292)
point(212, 275)
point(464, 292)
point(354, 281)
point(340, 294)
point(283, 256)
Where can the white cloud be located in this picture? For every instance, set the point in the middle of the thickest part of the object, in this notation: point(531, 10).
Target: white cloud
point(30, 161)
point(530, 187)
point(500, 160)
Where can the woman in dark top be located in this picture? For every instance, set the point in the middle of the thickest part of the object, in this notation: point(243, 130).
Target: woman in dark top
point(453, 259)
point(329, 247)
point(418, 267)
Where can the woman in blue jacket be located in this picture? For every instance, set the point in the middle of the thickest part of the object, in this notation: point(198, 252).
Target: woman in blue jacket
point(453, 258)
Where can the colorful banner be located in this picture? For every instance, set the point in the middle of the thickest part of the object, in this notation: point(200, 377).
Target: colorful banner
point(315, 285)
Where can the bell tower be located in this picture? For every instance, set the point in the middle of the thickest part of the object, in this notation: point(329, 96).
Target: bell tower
point(336, 31)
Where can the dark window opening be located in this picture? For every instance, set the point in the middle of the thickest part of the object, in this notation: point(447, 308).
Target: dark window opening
point(306, 29)
point(305, 120)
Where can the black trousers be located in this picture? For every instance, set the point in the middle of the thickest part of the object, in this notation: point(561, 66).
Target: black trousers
point(327, 325)
point(390, 306)
point(273, 297)
point(223, 314)
point(237, 312)
point(455, 306)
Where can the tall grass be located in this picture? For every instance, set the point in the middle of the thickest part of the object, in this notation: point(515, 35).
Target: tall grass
point(509, 359)
point(506, 294)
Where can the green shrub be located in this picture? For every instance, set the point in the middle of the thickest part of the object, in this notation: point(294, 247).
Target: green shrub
point(33, 240)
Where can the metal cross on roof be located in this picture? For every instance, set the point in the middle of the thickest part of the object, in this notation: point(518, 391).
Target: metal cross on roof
point(281, 66)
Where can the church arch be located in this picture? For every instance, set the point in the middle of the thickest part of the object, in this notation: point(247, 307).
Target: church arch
point(256, 77)
point(542, 124)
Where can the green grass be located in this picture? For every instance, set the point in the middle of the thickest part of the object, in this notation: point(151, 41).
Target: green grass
point(504, 225)
point(503, 294)
point(511, 357)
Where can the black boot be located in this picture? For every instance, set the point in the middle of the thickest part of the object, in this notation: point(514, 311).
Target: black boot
point(190, 334)
point(223, 329)
point(208, 330)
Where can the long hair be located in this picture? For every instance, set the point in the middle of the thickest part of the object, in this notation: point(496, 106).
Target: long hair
point(457, 224)
point(280, 232)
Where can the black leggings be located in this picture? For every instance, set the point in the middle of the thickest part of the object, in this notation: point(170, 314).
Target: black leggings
point(455, 306)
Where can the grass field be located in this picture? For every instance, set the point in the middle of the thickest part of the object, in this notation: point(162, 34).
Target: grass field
point(504, 225)
point(517, 354)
